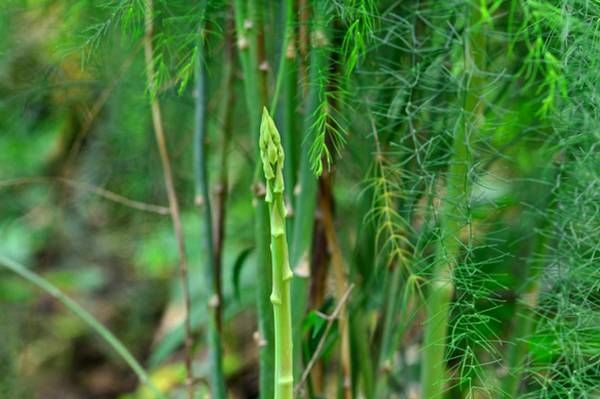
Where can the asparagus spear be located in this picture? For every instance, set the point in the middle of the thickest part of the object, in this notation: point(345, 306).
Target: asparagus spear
point(272, 156)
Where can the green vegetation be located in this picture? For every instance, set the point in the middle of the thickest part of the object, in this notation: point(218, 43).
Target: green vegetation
point(271, 152)
point(432, 230)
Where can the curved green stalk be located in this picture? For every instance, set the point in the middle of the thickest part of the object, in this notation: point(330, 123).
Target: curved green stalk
point(248, 54)
point(211, 268)
point(84, 315)
point(441, 287)
point(271, 152)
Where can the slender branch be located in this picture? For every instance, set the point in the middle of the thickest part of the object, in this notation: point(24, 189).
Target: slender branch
point(247, 45)
point(108, 195)
point(341, 287)
point(288, 37)
point(325, 226)
point(330, 319)
point(256, 11)
point(221, 191)
point(87, 317)
point(287, 81)
point(306, 192)
point(393, 228)
point(303, 40)
point(320, 260)
point(171, 194)
point(203, 200)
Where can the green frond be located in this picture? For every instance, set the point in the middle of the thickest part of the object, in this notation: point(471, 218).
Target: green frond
point(360, 16)
point(329, 136)
point(391, 227)
point(127, 15)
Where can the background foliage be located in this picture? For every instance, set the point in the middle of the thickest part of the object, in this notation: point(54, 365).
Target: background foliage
point(442, 159)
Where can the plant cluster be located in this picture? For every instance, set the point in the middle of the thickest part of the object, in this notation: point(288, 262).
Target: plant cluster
point(433, 167)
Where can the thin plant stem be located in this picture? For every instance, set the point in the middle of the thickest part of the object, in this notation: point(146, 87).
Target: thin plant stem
point(525, 312)
point(102, 193)
point(389, 323)
point(246, 43)
point(287, 78)
point(203, 200)
point(288, 35)
point(84, 315)
point(272, 159)
point(341, 288)
point(319, 269)
point(397, 262)
point(306, 193)
point(362, 260)
point(303, 41)
point(171, 193)
point(398, 280)
point(256, 13)
point(330, 319)
point(359, 340)
point(221, 191)
point(524, 322)
point(453, 210)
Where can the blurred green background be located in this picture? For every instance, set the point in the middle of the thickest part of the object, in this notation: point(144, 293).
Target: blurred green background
point(82, 198)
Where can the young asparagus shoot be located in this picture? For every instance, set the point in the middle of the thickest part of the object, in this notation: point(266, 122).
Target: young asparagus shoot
point(271, 152)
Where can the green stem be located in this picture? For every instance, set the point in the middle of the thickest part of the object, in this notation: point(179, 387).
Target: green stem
point(287, 78)
point(305, 203)
point(84, 315)
point(386, 350)
point(525, 308)
point(211, 267)
point(272, 160)
point(523, 325)
point(161, 143)
point(226, 115)
point(246, 40)
point(452, 214)
point(360, 339)
point(283, 60)
point(341, 284)
point(363, 259)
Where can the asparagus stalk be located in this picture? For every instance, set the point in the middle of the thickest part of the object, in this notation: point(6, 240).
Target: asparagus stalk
point(341, 286)
point(525, 318)
point(524, 321)
point(306, 193)
point(161, 142)
point(441, 288)
point(272, 156)
point(287, 77)
point(212, 266)
point(247, 45)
